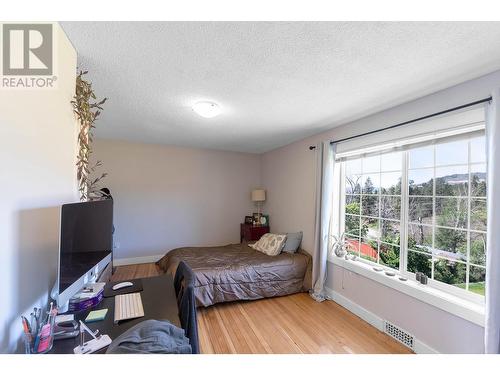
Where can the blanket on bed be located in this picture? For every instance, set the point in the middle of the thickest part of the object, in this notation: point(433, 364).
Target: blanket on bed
point(238, 272)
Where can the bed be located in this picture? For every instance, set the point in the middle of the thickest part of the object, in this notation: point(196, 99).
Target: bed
point(238, 272)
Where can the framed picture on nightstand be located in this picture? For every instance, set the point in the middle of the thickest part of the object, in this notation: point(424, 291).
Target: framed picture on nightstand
point(264, 220)
point(248, 220)
point(255, 218)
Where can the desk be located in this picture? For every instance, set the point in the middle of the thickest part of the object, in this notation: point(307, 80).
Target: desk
point(158, 300)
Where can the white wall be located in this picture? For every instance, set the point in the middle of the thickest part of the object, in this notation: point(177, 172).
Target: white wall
point(166, 197)
point(288, 173)
point(37, 174)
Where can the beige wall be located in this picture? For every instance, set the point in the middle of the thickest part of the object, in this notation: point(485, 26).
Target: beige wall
point(288, 173)
point(37, 174)
point(167, 197)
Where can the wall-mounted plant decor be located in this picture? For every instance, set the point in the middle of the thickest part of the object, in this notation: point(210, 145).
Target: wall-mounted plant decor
point(87, 108)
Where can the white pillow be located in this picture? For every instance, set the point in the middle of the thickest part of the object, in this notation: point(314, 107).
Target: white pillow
point(270, 244)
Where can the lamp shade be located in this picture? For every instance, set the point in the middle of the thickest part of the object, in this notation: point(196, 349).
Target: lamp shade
point(258, 195)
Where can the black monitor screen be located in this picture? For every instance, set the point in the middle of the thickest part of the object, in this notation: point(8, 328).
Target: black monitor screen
point(86, 238)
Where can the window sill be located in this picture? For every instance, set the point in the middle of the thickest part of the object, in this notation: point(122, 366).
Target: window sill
point(470, 311)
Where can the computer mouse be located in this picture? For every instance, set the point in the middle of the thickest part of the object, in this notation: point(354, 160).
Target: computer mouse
point(125, 284)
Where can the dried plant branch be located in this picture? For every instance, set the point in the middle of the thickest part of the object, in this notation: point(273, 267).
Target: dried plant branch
point(87, 109)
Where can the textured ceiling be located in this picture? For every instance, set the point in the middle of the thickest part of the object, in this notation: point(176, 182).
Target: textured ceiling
point(276, 82)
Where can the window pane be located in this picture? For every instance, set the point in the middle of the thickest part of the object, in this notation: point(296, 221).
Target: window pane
point(452, 181)
point(369, 228)
point(478, 180)
point(391, 183)
point(421, 181)
point(478, 248)
point(418, 262)
point(421, 157)
point(370, 183)
point(353, 184)
point(478, 214)
point(451, 212)
point(389, 255)
point(353, 204)
point(369, 250)
point(420, 237)
point(451, 244)
point(371, 164)
point(452, 273)
point(452, 153)
point(390, 231)
point(390, 207)
point(352, 225)
point(478, 150)
point(391, 161)
point(352, 245)
point(353, 166)
point(420, 210)
point(369, 205)
point(477, 277)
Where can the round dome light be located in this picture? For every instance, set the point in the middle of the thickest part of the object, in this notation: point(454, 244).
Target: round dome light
point(206, 109)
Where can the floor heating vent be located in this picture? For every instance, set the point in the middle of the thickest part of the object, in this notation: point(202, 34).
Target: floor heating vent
point(402, 336)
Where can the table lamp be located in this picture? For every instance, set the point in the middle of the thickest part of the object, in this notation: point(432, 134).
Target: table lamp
point(258, 196)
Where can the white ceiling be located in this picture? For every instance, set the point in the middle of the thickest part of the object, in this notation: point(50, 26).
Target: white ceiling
point(276, 82)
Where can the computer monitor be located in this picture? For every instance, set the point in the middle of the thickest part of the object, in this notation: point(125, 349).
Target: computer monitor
point(86, 242)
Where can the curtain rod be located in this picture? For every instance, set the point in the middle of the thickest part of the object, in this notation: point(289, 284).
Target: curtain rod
point(488, 99)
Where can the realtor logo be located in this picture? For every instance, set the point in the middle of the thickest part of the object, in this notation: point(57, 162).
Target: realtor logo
point(28, 56)
point(27, 49)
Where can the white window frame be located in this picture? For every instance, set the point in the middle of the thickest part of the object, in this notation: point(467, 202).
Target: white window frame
point(404, 221)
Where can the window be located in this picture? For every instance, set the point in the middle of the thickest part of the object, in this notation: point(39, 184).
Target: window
point(373, 207)
point(423, 209)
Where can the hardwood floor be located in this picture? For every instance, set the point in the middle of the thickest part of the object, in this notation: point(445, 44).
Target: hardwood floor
point(290, 324)
point(135, 271)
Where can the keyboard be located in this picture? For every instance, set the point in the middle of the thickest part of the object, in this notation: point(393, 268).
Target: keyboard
point(128, 306)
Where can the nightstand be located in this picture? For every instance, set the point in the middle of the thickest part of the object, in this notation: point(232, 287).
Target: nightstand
point(249, 232)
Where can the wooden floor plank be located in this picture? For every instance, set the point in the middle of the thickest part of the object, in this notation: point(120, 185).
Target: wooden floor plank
point(203, 337)
point(243, 338)
point(290, 324)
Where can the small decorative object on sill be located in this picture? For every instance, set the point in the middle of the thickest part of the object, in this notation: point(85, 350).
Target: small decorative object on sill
point(339, 247)
point(402, 278)
point(390, 273)
point(421, 278)
point(352, 257)
point(378, 269)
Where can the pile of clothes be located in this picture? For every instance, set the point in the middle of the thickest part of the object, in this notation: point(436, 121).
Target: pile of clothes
point(151, 336)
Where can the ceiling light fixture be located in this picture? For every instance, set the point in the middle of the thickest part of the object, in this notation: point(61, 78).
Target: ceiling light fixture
point(206, 109)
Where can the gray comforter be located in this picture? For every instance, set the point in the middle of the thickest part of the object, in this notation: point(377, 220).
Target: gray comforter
point(238, 272)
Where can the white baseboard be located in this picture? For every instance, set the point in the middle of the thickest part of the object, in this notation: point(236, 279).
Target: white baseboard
point(136, 260)
point(372, 319)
